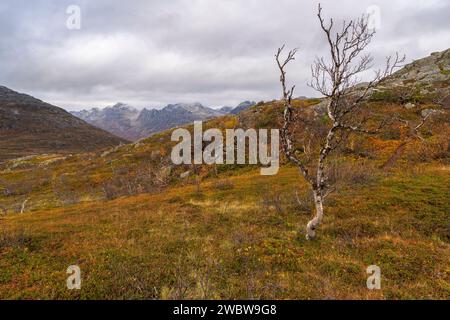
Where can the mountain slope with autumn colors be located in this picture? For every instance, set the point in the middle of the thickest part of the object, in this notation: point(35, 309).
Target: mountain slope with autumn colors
point(29, 126)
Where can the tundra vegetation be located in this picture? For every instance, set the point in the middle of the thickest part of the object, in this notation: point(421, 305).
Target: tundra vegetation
point(156, 235)
point(140, 227)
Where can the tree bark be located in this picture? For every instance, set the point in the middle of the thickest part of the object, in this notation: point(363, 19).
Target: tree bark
point(315, 222)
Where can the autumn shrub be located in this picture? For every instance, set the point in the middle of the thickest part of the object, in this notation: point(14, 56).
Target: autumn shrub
point(303, 200)
point(192, 275)
point(64, 191)
point(14, 239)
point(120, 186)
point(429, 150)
point(223, 184)
point(357, 146)
point(273, 199)
point(382, 96)
point(350, 173)
point(112, 189)
point(283, 201)
point(402, 95)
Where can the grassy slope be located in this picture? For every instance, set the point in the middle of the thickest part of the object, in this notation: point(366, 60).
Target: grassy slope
point(223, 243)
point(238, 237)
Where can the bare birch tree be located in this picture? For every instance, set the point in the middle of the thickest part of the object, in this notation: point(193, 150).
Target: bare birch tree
point(336, 79)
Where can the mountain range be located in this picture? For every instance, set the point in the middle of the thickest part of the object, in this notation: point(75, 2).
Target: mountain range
point(132, 124)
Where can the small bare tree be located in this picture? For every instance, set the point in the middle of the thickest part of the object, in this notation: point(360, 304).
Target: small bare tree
point(336, 80)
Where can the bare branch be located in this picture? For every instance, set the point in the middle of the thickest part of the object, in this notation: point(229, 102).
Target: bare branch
point(337, 79)
point(286, 134)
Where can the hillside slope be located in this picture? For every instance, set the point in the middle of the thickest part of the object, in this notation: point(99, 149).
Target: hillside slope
point(237, 239)
point(140, 227)
point(30, 126)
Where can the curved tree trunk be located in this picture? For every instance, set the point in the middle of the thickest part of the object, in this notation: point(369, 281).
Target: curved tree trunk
point(315, 222)
point(22, 209)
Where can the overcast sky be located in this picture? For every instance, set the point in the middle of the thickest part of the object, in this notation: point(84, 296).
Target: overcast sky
point(219, 52)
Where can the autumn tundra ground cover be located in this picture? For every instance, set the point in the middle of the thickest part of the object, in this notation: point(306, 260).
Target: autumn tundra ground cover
point(139, 227)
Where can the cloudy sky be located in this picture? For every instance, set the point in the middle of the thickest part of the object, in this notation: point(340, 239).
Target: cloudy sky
point(219, 52)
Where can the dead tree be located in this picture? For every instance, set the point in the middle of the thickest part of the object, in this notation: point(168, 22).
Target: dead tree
point(22, 207)
point(336, 80)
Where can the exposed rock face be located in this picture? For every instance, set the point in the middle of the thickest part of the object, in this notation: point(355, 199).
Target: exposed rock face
point(129, 123)
point(132, 124)
point(31, 126)
point(433, 69)
point(153, 120)
point(118, 119)
point(428, 76)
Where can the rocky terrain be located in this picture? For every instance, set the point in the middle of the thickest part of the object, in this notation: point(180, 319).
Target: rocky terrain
point(129, 123)
point(119, 119)
point(423, 79)
point(433, 70)
point(31, 126)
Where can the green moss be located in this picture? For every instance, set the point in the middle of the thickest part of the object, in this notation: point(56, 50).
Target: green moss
point(382, 96)
point(443, 70)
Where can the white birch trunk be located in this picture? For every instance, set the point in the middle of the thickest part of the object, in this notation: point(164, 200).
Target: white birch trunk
point(315, 222)
point(22, 209)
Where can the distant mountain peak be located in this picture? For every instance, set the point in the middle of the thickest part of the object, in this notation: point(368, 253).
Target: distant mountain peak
point(226, 109)
point(243, 106)
point(122, 106)
point(192, 107)
point(127, 122)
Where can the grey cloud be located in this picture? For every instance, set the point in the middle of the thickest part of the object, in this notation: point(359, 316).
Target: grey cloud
point(150, 53)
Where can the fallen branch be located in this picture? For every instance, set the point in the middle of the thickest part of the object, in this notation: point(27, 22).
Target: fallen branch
point(23, 205)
